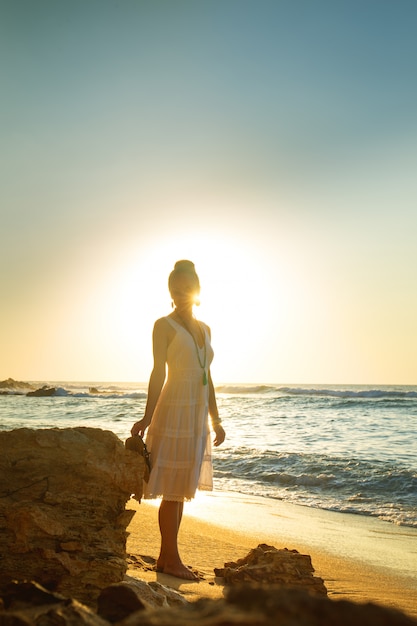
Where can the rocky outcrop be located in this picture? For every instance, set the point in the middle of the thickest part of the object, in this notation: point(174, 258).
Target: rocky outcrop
point(12, 386)
point(28, 604)
point(62, 508)
point(42, 392)
point(266, 564)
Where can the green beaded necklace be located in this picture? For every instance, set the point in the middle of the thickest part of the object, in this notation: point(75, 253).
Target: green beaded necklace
point(201, 364)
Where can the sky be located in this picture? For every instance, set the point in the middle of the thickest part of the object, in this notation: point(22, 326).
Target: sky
point(272, 142)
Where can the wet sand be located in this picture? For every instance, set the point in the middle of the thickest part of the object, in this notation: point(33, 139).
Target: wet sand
point(359, 558)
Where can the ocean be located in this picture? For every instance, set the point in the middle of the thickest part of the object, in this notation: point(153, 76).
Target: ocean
point(351, 449)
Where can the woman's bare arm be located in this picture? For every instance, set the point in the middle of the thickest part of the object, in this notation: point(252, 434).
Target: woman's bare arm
point(157, 377)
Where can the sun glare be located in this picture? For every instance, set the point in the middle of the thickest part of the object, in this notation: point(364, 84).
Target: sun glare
point(234, 289)
point(253, 297)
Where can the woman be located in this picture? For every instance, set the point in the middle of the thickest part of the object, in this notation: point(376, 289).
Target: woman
point(176, 415)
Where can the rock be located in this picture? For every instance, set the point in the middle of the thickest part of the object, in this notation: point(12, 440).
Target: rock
point(266, 564)
point(62, 508)
point(118, 601)
point(28, 604)
point(298, 607)
point(154, 594)
point(28, 594)
point(43, 391)
point(251, 605)
point(10, 383)
point(271, 606)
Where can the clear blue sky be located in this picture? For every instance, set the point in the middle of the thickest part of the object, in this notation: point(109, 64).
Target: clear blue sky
point(274, 142)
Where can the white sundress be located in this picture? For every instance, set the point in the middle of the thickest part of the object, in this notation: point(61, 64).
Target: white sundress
point(178, 437)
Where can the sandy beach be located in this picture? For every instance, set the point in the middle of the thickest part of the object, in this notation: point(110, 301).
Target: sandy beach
point(359, 558)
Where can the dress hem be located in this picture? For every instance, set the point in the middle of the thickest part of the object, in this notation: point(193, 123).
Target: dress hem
point(174, 498)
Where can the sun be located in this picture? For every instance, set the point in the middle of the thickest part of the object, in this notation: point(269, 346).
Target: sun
point(234, 291)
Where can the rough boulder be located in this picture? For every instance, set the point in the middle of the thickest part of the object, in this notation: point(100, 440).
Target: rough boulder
point(267, 564)
point(62, 508)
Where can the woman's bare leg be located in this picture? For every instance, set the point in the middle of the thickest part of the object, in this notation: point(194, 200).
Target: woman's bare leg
point(169, 560)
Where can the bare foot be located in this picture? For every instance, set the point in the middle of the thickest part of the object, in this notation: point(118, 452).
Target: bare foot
point(179, 570)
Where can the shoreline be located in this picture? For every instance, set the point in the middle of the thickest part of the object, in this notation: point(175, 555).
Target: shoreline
point(360, 559)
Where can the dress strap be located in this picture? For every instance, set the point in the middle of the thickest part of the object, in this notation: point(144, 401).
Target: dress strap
point(173, 323)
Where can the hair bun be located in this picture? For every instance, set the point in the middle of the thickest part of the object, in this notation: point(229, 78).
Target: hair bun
point(185, 266)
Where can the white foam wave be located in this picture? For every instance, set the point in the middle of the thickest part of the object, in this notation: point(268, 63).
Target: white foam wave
point(61, 392)
point(349, 393)
point(245, 389)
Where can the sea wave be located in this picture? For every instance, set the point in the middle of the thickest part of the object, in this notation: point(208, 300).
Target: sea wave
point(245, 389)
point(31, 390)
point(105, 395)
point(349, 393)
point(388, 491)
point(128, 390)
